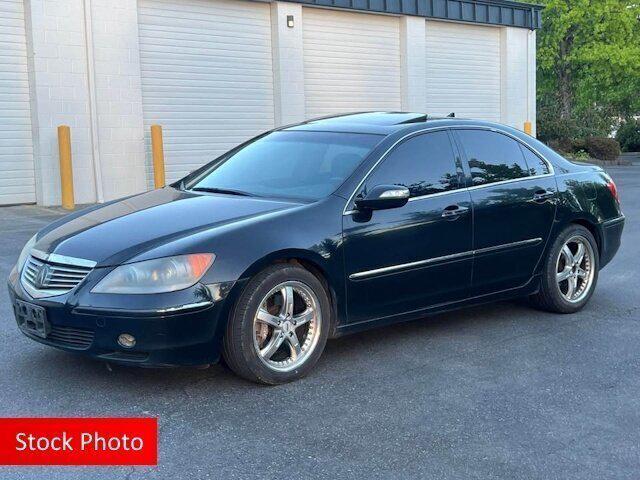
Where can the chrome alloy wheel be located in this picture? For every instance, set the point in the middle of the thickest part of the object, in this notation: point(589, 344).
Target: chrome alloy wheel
point(287, 326)
point(575, 269)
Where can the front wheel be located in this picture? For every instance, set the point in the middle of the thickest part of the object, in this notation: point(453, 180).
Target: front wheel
point(279, 326)
point(570, 272)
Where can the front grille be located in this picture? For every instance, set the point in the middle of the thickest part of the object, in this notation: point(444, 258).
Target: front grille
point(78, 338)
point(45, 278)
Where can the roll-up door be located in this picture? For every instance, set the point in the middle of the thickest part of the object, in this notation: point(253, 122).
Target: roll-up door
point(463, 70)
point(207, 76)
point(351, 62)
point(17, 175)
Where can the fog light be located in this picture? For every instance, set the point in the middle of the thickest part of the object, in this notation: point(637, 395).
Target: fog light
point(127, 341)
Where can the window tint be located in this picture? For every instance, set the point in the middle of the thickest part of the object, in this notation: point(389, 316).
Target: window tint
point(424, 164)
point(308, 165)
point(493, 157)
point(536, 165)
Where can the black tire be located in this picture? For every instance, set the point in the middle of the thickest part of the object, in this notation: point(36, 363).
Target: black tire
point(239, 352)
point(550, 297)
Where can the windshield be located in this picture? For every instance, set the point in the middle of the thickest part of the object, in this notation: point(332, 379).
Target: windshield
point(306, 165)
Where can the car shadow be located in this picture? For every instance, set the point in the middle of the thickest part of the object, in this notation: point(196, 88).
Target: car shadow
point(367, 350)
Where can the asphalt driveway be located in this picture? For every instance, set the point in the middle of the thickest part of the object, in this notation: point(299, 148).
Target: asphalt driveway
point(499, 391)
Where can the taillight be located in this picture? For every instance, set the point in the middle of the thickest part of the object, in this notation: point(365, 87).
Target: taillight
point(613, 189)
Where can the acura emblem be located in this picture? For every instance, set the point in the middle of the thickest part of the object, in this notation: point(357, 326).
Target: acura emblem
point(41, 276)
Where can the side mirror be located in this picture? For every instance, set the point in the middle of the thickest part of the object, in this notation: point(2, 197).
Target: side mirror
point(383, 197)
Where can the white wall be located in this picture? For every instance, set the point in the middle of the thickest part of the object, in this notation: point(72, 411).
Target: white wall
point(413, 64)
point(288, 63)
point(94, 87)
point(84, 71)
point(118, 97)
point(518, 83)
point(60, 95)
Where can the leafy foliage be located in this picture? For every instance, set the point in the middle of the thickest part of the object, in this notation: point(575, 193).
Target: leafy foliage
point(588, 66)
point(629, 135)
point(603, 148)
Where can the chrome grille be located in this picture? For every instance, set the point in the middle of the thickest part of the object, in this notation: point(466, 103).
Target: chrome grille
point(44, 278)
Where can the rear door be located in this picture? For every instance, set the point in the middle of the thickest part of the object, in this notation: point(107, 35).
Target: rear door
point(514, 194)
point(408, 258)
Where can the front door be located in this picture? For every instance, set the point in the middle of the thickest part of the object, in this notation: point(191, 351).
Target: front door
point(514, 203)
point(405, 259)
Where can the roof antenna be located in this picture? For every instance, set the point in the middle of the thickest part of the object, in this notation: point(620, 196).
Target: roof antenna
point(452, 115)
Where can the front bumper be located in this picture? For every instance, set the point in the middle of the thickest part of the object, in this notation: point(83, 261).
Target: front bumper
point(187, 335)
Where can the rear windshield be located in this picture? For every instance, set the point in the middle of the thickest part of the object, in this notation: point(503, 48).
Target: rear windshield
point(288, 164)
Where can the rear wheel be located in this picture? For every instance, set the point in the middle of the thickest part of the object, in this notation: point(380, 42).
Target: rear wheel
point(570, 272)
point(279, 326)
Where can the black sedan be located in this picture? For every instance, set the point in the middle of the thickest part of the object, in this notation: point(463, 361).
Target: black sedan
point(317, 230)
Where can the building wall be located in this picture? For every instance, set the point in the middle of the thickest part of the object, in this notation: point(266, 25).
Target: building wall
point(119, 143)
point(84, 71)
point(518, 86)
point(60, 95)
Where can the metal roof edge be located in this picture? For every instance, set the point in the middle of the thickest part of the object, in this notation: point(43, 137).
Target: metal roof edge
point(507, 13)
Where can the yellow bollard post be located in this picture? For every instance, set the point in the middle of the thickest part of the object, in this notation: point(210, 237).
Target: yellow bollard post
point(66, 169)
point(527, 128)
point(158, 156)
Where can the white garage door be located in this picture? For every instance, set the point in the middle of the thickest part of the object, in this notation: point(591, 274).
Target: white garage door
point(206, 76)
point(463, 70)
point(351, 62)
point(17, 178)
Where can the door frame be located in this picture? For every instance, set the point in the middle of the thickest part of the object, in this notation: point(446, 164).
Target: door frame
point(478, 252)
point(459, 148)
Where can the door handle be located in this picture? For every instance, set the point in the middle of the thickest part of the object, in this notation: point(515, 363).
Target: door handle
point(452, 212)
point(542, 196)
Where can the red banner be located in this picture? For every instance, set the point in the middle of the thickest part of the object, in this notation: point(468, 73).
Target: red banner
point(78, 441)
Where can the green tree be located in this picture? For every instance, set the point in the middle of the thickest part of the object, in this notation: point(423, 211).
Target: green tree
point(588, 66)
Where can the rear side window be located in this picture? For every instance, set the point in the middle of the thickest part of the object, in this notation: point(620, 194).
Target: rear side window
point(425, 164)
point(492, 157)
point(536, 165)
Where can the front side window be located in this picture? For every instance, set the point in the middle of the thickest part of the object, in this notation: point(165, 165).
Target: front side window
point(425, 164)
point(289, 164)
point(492, 157)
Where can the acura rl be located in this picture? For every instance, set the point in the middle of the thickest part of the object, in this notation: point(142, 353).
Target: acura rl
point(312, 231)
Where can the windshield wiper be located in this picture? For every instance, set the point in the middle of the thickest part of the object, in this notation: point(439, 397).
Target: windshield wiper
point(222, 190)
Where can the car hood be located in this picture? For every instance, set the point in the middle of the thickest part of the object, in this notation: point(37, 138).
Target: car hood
point(112, 233)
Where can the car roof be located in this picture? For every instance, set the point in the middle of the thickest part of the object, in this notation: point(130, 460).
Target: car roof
point(381, 123)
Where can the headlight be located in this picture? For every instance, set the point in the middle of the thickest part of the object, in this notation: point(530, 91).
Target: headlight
point(24, 254)
point(156, 276)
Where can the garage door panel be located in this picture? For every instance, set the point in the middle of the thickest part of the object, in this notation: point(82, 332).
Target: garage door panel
point(201, 10)
point(207, 76)
point(351, 62)
point(463, 70)
point(209, 56)
point(17, 173)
